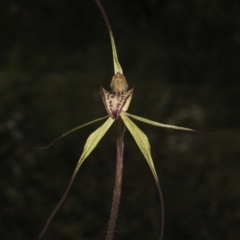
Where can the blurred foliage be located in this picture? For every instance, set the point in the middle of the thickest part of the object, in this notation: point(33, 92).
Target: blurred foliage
point(183, 59)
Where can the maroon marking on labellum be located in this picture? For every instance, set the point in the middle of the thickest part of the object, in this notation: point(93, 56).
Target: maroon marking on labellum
point(114, 107)
point(115, 114)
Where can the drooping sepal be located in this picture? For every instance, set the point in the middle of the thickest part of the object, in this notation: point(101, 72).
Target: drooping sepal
point(116, 102)
point(90, 144)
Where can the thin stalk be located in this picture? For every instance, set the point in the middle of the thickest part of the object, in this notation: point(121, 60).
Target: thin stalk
point(118, 179)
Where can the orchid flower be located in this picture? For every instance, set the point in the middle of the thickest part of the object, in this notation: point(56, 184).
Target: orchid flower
point(116, 103)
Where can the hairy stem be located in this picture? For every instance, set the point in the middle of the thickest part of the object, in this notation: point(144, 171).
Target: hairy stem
point(118, 179)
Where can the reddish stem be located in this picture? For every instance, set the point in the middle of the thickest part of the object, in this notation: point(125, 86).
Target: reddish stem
point(118, 179)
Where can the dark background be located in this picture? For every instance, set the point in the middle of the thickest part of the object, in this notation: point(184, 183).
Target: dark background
point(183, 59)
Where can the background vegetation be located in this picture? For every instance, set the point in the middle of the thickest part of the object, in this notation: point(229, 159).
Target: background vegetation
point(183, 59)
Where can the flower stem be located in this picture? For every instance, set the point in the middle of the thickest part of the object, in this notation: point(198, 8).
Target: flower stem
point(118, 179)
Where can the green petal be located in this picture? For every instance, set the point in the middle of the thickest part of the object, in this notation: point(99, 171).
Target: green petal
point(159, 124)
point(70, 131)
point(143, 143)
point(90, 144)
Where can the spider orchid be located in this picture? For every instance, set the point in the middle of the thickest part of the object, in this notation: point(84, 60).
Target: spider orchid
point(116, 103)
